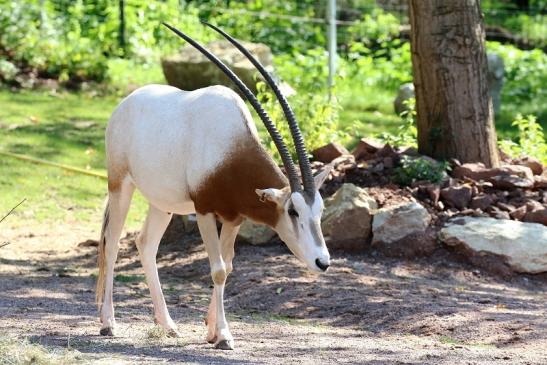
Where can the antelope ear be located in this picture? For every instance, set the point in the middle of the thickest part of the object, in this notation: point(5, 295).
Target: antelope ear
point(320, 178)
point(274, 195)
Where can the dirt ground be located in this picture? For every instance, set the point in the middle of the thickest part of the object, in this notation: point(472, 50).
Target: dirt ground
point(368, 309)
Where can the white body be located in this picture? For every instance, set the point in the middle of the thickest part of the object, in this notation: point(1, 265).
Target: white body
point(168, 143)
point(185, 135)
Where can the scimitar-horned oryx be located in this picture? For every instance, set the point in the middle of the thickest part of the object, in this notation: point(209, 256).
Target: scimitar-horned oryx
point(199, 152)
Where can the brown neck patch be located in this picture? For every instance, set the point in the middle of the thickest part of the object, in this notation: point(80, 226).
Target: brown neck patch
point(229, 191)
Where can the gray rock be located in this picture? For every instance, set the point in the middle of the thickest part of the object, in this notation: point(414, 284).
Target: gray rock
point(254, 233)
point(522, 245)
point(393, 223)
point(406, 91)
point(347, 217)
point(457, 196)
point(496, 70)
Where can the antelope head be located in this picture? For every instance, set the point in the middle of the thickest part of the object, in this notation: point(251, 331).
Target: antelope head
point(300, 205)
point(299, 224)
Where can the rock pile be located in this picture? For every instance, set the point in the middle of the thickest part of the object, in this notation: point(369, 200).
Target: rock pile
point(409, 219)
point(516, 190)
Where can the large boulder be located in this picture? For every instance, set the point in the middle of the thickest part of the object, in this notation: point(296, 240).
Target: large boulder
point(190, 70)
point(406, 92)
point(392, 224)
point(496, 70)
point(254, 233)
point(522, 245)
point(347, 218)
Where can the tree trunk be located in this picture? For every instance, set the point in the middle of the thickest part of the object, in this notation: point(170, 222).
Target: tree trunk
point(121, 31)
point(454, 110)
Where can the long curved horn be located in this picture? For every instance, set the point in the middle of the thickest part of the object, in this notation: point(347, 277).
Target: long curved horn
point(294, 181)
point(305, 168)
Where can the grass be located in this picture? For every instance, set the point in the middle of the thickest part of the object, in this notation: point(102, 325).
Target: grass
point(129, 278)
point(66, 128)
point(452, 341)
point(14, 351)
point(367, 114)
point(371, 113)
point(156, 333)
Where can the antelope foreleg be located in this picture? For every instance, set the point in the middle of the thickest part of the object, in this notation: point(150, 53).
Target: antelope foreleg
point(228, 235)
point(219, 272)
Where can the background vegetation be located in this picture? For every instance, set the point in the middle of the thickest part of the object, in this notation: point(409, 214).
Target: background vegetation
point(64, 66)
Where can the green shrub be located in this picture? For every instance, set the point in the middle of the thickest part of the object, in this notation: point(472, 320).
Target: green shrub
point(8, 71)
point(316, 114)
point(376, 29)
point(34, 40)
point(419, 169)
point(531, 140)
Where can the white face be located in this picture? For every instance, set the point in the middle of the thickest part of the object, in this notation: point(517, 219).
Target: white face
point(299, 225)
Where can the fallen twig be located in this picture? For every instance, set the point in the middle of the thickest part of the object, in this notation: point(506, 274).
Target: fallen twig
point(11, 211)
point(4, 244)
point(54, 164)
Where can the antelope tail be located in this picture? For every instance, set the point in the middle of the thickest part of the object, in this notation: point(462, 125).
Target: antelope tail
point(99, 292)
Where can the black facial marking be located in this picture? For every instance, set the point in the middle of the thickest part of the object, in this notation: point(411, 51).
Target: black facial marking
point(292, 212)
point(294, 219)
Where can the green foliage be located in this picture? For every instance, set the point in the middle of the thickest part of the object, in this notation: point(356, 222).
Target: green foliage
point(72, 40)
point(376, 29)
point(8, 71)
point(388, 67)
point(35, 40)
point(419, 169)
point(407, 133)
point(528, 23)
point(531, 140)
point(316, 116)
point(279, 33)
point(525, 73)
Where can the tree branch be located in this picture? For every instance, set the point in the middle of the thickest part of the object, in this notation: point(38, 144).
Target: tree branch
point(11, 211)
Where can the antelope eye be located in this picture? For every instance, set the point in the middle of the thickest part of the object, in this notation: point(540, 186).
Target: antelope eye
point(293, 212)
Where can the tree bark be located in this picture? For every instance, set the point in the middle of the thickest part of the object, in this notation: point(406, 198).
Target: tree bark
point(454, 110)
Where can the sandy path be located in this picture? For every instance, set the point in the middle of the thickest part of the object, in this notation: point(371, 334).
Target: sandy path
point(367, 310)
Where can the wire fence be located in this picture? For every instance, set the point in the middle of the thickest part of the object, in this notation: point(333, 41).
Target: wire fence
point(510, 24)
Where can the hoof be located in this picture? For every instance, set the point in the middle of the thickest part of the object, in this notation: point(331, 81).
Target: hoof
point(106, 331)
point(212, 339)
point(173, 333)
point(225, 345)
